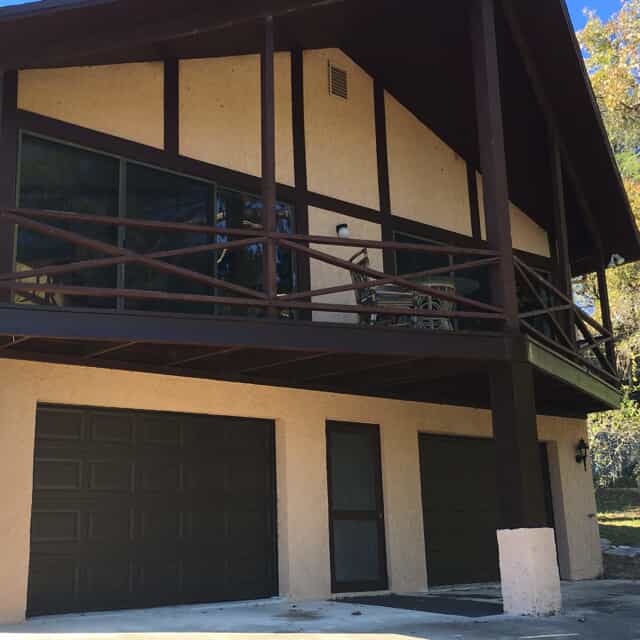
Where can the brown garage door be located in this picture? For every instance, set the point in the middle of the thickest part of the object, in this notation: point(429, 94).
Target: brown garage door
point(138, 509)
point(460, 506)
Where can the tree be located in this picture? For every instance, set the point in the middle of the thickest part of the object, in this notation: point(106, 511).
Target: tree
point(611, 51)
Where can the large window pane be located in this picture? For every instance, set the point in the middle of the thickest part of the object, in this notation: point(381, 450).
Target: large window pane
point(64, 178)
point(244, 266)
point(164, 197)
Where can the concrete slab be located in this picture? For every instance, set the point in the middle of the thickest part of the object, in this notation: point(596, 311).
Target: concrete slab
point(596, 610)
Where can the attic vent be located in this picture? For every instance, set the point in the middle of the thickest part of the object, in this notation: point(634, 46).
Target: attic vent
point(337, 82)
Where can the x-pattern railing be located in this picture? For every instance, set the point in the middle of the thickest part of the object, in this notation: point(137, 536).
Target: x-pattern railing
point(241, 296)
point(567, 328)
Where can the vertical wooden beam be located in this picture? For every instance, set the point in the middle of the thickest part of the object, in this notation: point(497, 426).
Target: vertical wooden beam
point(172, 106)
point(267, 82)
point(493, 162)
point(384, 190)
point(605, 309)
point(8, 168)
point(520, 493)
point(562, 262)
point(512, 386)
point(303, 263)
point(474, 204)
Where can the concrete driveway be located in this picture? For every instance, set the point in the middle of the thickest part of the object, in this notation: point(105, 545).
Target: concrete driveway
point(596, 610)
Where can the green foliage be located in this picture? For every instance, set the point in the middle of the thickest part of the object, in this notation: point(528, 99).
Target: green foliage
point(619, 515)
point(612, 54)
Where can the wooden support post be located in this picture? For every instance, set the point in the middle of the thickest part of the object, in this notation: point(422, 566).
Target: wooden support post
point(492, 156)
point(302, 262)
point(562, 262)
point(513, 405)
point(605, 308)
point(269, 161)
point(384, 191)
point(519, 469)
point(8, 168)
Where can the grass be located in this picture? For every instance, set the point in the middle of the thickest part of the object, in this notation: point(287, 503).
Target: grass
point(619, 515)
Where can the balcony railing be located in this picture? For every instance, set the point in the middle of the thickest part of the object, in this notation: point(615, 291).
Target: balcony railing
point(434, 298)
point(553, 318)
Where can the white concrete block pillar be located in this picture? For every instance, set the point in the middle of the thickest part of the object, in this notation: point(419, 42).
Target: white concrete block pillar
point(529, 572)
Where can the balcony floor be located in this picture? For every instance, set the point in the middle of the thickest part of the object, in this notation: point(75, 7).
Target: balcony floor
point(407, 364)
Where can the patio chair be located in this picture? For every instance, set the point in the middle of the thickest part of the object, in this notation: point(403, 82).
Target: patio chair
point(434, 303)
point(388, 295)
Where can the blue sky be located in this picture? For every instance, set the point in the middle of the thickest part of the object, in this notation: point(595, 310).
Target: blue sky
point(604, 8)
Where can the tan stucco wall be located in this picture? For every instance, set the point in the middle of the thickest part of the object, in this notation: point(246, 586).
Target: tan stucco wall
point(124, 100)
point(427, 179)
point(220, 120)
point(526, 234)
point(340, 134)
point(303, 539)
point(324, 223)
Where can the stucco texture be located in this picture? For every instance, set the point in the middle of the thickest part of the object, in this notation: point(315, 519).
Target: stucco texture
point(526, 234)
point(340, 134)
point(124, 100)
point(220, 121)
point(324, 223)
point(303, 537)
point(427, 179)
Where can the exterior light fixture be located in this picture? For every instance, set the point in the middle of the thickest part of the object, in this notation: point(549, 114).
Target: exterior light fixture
point(582, 452)
point(343, 230)
point(616, 260)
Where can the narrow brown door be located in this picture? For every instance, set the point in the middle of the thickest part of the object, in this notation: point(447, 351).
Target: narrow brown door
point(356, 511)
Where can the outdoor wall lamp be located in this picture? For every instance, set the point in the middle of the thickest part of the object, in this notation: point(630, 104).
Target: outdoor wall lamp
point(616, 260)
point(342, 230)
point(582, 452)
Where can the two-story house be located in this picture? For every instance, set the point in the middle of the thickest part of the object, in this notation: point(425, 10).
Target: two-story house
point(285, 300)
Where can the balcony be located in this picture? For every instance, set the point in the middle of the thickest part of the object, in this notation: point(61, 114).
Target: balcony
point(419, 335)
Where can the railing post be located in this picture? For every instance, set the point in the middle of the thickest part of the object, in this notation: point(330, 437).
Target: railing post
point(562, 264)
point(603, 290)
point(267, 83)
point(493, 161)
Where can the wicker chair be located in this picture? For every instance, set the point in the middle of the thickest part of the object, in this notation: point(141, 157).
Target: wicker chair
point(390, 296)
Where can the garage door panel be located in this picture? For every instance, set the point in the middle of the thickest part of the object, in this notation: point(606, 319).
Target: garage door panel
point(111, 427)
point(53, 583)
point(460, 508)
point(55, 525)
point(160, 475)
point(60, 424)
point(113, 525)
point(111, 475)
point(134, 509)
point(52, 474)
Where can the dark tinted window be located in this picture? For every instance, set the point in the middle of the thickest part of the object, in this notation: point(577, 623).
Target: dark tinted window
point(63, 178)
point(165, 197)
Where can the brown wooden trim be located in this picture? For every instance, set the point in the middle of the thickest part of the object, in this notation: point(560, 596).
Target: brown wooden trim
point(474, 205)
point(376, 514)
point(268, 149)
point(303, 266)
point(493, 161)
point(561, 259)
point(384, 188)
point(172, 106)
point(548, 113)
point(605, 309)
point(437, 234)
point(321, 201)
point(513, 410)
point(8, 167)
point(136, 152)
